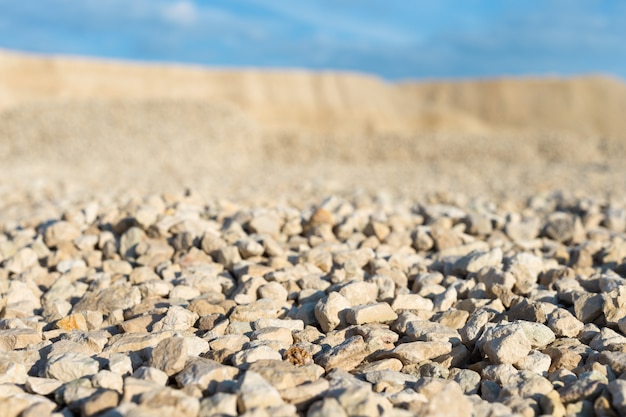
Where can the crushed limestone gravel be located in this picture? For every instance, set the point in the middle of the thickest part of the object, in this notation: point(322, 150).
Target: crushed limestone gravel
point(351, 305)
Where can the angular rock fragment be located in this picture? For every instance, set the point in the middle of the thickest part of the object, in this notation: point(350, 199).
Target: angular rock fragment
point(326, 407)
point(42, 386)
point(22, 260)
point(330, 313)
point(135, 342)
point(154, 375)
point(563, 323)
point(588, 307)
point(107, 300)
point(59, 232)
point(507, 343)
point(100, 402)
point(617, 389)
point(303, 395)
point(370, 313)
point(475, 261)
point(447, 401)
point(221, 404)
point(69, 366)
point(169, 401)
point(208, 375)
point(170, 355)
point(108, 380)
point(254, 354)
point(176, 318)
point(416, 352)
point(357, 306)
point(411, 302)
point(560, 227)
point(11, 339)
point(255, 392)
point(346, 356)
point(283, 375)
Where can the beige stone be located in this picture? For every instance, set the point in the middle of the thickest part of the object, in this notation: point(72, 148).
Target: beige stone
point(370, 313)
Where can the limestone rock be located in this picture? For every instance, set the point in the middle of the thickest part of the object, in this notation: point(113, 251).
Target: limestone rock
point(118, 297)
point(59, 232)
point(617, 389)
point(154, 375)
point(22, 260)
point(415, 352)
point(218, 404)
point(255, 392)
point(283, 375)
point(411, 302)
point(206, 374)
point(563, 323)
point(449, 401)
point(346, 356)
point(507, 343)
point(588, 307)
point(170, 355)
point(20, 338)
point(69, 366)
point(108, 380)
point(100, 402)
point(170, 401)
point(177, 318)
point(370, 313)
point(330, 313)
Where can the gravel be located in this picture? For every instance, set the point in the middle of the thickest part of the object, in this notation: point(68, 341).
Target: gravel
point(349, 305)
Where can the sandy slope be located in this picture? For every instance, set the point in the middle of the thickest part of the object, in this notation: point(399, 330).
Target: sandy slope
point(329, 101)
point(74, 124)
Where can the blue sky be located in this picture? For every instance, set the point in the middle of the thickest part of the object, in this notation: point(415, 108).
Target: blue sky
point(395, 39)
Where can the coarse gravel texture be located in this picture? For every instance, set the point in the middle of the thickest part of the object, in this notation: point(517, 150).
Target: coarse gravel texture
point(196, 243)
point(350, 304)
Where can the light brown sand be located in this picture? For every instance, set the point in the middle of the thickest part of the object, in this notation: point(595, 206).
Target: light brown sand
point(73, 127)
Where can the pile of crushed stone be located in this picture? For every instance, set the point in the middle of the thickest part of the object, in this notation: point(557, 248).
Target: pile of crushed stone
point(350, 305)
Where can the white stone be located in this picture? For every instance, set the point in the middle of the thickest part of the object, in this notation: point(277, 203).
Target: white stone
point(68, 366)
point(255, 392)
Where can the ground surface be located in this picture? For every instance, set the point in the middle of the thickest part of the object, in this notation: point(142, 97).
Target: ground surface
point(172, 256)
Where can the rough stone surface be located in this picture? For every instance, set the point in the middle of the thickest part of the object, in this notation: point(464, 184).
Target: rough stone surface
point(19, 338)
point(148, 373)
point(617, 389)
point(415, 352)
point(100, 402)
point(206, 374)
point(69, 366)
point(170, 355)
point(370, 313)
point(169, 401)
point(256, 392)
point(331, 312)
point(563, 323)
point(346, 356)
point(507, 343)
point(449, 401)
point(354, 305)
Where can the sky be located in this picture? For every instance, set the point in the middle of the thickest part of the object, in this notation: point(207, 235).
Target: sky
point(394, 39)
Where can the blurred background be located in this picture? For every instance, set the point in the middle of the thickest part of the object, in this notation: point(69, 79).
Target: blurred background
point(237, 97)
point(393, 39)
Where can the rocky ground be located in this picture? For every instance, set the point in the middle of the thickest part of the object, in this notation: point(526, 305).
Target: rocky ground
point(359, 303)
point(204, 243)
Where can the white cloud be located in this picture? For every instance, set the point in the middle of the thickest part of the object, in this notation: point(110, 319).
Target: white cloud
point(330, 21)
point(182, 13)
